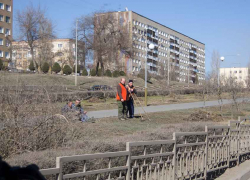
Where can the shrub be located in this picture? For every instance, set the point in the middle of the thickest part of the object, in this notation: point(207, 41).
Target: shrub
point(93, 72)
point(78, 69)
point(67, 70)
point(116, 73)
point(142, 75)
point(56, 68)
point(1, 64)
point(122, 73)
point(84, 72)
point(108, 73)
point(45, 67)
point(31, 66)
point(99, 73)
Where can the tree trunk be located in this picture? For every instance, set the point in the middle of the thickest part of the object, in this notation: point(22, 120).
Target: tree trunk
point(102, 68)
point(33, 59)
point(97, 67)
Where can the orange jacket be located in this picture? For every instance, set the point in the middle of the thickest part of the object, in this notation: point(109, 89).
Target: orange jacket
point(123, 93)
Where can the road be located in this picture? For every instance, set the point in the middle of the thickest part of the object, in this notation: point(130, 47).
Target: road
point(161, 108)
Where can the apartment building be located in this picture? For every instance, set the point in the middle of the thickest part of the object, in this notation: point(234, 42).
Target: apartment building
point(63, 51)
point(6, 19)
point(241, 75)
point(173, 51)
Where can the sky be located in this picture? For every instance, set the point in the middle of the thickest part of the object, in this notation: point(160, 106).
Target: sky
point(222, 25)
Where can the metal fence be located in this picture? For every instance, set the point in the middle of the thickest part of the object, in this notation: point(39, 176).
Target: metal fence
point(189, 155)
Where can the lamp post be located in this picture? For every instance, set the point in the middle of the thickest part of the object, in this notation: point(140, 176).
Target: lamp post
point(76, 53)
point(222, 59)
point(151, 47)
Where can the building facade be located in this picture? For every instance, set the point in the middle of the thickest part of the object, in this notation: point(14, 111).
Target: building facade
point(241, 75)
point(174, 54)
point(63, 52)
point(6, 27)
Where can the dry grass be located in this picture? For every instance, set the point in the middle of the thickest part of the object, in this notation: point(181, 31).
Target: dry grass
point(109, 135)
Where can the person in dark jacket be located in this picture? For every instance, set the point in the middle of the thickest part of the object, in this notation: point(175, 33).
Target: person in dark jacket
point(82, 114)
point(121, 97)
point(130, 103)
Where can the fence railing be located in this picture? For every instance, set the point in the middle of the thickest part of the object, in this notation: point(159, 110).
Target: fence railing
point(189, 155)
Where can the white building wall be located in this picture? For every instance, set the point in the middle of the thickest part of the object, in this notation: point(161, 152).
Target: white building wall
point(240, 74)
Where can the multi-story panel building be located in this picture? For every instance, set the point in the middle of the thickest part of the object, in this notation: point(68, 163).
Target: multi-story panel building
point(6, 19)
point(240, 75)
point(63, 52)
point(174, 52)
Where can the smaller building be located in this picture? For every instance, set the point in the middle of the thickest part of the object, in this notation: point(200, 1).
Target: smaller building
point(63, 52)
point(241, 75)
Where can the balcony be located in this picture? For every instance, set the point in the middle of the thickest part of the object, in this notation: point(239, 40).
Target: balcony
point(151, 64)
point(152, 57)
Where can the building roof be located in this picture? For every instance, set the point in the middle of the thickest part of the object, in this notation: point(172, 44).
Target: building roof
point(166, 27)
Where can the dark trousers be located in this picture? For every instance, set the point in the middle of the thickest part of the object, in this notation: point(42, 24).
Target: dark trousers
point(131, 108)
point(122, 109)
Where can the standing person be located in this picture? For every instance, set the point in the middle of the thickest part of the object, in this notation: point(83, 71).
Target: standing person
point(130, 102)
point(121, 97)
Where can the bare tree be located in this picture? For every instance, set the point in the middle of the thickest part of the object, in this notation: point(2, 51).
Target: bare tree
point(215, 65)
point(105, 35)
point(45, 45)
point(33, 26)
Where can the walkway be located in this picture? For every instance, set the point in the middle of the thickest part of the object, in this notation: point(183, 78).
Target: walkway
point(161, 108)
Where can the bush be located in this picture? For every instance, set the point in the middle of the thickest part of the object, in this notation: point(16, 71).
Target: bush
point(67, 70)
point(93, 72)
point(116, 73)
point(142, 75)
point(84, 72)
point(78, 69)
point(45, 67)
point(122, 73)
point(56, 68)
point(99, 73)
point(31, 66)
point(1, 64)
point(108, 73)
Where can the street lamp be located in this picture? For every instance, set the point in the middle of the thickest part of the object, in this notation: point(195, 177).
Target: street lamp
point(222, 58)
point(151, 47)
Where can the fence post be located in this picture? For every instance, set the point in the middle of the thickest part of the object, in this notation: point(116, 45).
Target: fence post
point(206, 153)
point(59, 165)
point(229, 144)
point(238, 144)
point(174, 158)
point(128, 161)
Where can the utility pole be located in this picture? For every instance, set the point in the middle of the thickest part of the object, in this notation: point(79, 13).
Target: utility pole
point(76, 53)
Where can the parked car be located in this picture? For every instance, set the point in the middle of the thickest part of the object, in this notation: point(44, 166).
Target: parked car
point(100, 88)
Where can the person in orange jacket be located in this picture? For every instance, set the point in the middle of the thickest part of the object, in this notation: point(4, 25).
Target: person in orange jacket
point(122, 97)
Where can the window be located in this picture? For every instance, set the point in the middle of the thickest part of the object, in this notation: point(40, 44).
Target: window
point(7, 55)
point(235, 72)
point(8, 20)
point(1, 41)
point(7, 32)
point(1, 6)
point(8, 8)
point(1, 53)
point(1, 17)
point(7, 43)
point(240, 71)
point(60, 45)
point(1, 30)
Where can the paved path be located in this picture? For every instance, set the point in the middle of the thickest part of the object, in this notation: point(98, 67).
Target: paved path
point(241, 172)
point(161, 108)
